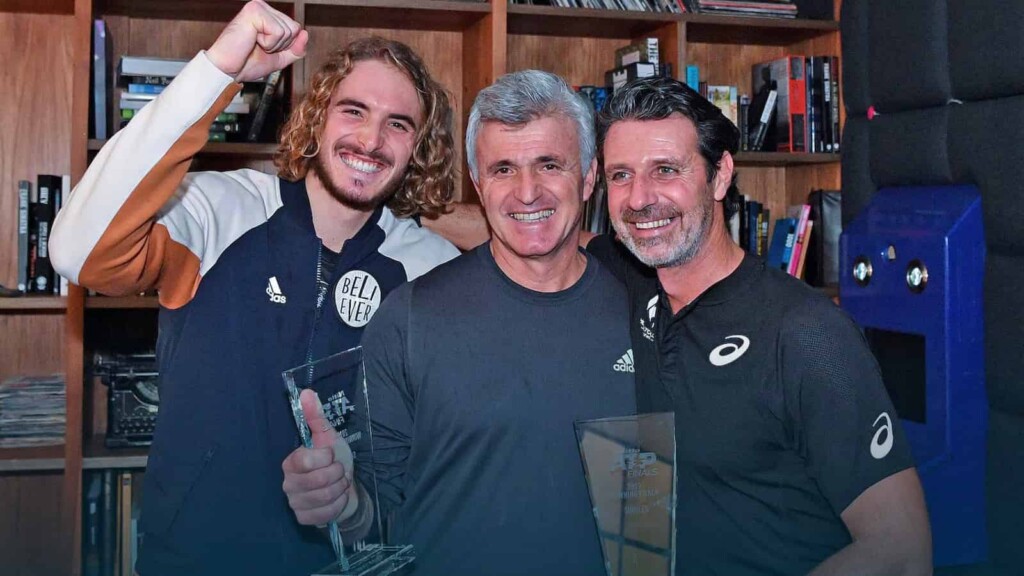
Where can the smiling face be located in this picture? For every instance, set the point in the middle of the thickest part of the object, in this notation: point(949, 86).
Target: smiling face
point(659, 198)
point(532, 188)
point(369, 135)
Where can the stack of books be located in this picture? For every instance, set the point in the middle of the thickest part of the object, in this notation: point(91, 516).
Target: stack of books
point(32, 411)
point(763, 8)
point(144, 78)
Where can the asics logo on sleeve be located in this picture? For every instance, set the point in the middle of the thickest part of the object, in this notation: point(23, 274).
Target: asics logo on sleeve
point(881, 449)
point(730, 351)
point(624, 364)
point(274, 291)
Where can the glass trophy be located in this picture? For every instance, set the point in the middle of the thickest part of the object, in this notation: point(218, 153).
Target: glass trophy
point(630, 467)
point(339, 382)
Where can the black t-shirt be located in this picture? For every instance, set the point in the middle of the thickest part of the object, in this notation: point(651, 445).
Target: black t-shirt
point(475, 383)
point(782, 418)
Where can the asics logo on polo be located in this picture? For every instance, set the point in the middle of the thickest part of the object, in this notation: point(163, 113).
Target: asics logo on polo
point(880, 447)
point(730, 351)
point(274, 291)
point(624, 364)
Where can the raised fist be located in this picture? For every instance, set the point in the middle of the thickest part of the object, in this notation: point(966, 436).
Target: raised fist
point(258, 41)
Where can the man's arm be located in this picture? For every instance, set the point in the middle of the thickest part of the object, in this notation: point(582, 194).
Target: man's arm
point(853, 444)
point(889, 527)
point(135, 221)
point(465, 226)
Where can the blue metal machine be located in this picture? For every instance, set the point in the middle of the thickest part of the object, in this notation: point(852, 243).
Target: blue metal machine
point(911, 270)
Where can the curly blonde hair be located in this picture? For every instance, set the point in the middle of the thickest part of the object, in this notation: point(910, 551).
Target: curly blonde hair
point(428, 186)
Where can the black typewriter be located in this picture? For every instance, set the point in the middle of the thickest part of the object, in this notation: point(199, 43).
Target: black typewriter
point(132, 397)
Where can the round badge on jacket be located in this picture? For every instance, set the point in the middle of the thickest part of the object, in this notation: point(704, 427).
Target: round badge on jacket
point(356, 297)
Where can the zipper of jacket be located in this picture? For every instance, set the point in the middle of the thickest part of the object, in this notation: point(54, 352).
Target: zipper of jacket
point(321, 293)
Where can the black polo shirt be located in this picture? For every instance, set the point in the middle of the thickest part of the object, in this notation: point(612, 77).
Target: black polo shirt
point(782, 419)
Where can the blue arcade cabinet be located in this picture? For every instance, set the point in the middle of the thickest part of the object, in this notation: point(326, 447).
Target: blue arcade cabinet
point(911, 270)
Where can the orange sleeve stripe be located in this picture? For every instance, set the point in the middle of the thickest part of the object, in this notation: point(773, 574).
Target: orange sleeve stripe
point(134, 252)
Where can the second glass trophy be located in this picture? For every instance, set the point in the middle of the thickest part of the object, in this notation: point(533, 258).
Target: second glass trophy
point(339, 382)
point(630, 467)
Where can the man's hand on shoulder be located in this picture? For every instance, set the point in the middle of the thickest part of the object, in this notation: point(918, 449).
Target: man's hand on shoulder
point(258, 41)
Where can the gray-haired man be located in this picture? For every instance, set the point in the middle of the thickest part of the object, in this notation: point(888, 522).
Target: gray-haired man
point(478, 369)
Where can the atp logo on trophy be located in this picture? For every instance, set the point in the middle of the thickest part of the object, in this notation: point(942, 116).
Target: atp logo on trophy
point(637, 464)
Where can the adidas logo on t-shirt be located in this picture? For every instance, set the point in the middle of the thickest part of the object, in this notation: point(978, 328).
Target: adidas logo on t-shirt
point(624, 364)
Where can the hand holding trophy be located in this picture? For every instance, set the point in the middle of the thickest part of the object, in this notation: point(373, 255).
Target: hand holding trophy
point(332, 412)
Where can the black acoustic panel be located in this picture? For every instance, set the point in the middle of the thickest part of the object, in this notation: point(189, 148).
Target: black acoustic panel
point(853, 24)
point(1005, 497)
point(984, 140)
point(985, 42)
point(1004, 331)
point(910, 148)
point(908, 46)
point(858, 187)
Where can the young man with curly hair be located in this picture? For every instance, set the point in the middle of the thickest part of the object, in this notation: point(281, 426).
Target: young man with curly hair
point(255, 272)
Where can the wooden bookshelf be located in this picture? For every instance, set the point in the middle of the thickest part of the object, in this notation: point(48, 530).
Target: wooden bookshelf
point(97, 456)
point(46, 108)
point(33, 304)
point(784, 159)
point(121, 302)
point(31, 459)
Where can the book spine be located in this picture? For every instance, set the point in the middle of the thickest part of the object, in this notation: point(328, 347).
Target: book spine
point(24, 193)
point(101, 121)
point(693, 76)
point(108, 524)
point(42, 214)
point(826, 106)
point(836, 136)
point(744, 118)
point(91, 525)
point(797, 105)
point(764, 122)
point(263, 108)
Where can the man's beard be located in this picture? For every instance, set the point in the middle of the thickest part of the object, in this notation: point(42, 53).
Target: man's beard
point(348, 198)
point(683, 245)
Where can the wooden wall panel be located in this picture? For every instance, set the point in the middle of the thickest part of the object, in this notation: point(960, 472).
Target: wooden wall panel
point(764, 185)
point(35, 113)
point(31, 343)
point(441, 51)
point(800, 180)
point(30, 525)
point(581, 61)
point(160, 37)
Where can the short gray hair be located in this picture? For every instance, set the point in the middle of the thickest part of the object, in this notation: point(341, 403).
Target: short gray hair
point(521, 97)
